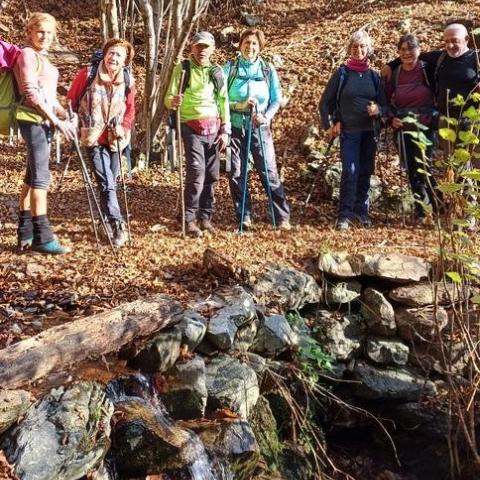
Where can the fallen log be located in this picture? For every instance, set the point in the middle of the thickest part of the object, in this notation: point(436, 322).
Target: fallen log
point(92, 336)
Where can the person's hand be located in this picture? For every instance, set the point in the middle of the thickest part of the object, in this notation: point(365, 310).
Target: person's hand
point(177, 101)
point(117, 131)
point(74, 120)
point(67, 128)
point(259, 119)
point(397, 123)
point(334, 131)
point(386, 73)
point(372, 109)
point(245, 106)
point(222, 142)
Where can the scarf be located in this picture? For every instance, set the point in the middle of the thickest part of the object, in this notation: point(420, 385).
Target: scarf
point(103, 102)
point(360, 66)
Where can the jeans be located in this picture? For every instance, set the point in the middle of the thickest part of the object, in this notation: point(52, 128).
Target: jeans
point(107, 168)
point(202, 173)
point(37, 139)
point(238, 145)
point(421, 184)
point(357, 150)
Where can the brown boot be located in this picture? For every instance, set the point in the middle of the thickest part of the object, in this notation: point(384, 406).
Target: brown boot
point(193, 231)
point(206, 225)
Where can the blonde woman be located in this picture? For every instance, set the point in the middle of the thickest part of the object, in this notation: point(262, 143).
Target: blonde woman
point(36, 80)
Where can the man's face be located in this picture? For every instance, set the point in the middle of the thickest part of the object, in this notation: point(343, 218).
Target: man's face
point(202, 53)
point(456, 42)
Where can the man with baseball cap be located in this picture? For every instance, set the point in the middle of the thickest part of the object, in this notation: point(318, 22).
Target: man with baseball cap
point(205, 128)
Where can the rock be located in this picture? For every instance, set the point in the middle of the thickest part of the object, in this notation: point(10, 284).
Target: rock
point(16, 329)
point(389, 383)
point(193, 327)
point(159, 354)
point(186, 397)
point(264, 427)
point(233, 441)
point(231, 384)
point(274, 336)
point(257, 363)
point(341, 337)
point(13, 405)
point(310, 138)
point(245, 336)
point(286, 288)
point(428, 356)
point(386, 352)
point(421, 294)
point(251, 20)
point(378, 313)
point(339, 264)
point(224, 325)
point(342, 292)
point(420, 324)
point(65, 435)
point(395, 267)
point(223, 266)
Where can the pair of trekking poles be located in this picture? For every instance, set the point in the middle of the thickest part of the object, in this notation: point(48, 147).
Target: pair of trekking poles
point(93, 203)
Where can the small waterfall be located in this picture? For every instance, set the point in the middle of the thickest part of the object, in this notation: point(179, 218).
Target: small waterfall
point(138, 390)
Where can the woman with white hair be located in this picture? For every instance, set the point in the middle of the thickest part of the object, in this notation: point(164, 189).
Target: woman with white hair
point(350, 107)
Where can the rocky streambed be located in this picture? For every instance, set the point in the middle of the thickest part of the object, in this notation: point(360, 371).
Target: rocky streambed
point(266, 378)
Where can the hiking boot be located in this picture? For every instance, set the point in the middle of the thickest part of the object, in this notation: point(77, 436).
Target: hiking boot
point(206, 225)
point(193, 230)
point(24, 244)
point(284, 225)
point(120, 234)
point(343, 224)
point(364, 220)
point(53, 248)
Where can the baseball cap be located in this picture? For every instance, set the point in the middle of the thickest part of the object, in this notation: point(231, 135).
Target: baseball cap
point(205, 38)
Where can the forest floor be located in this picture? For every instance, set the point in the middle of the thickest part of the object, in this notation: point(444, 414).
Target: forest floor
point(311, 37)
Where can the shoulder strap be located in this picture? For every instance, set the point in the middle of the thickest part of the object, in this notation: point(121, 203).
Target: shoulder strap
point(232, 74)
point(217, 78)
point(376, 82)
point(440, 60)
point(267, 71)
point(187, 69)
point(341, 82)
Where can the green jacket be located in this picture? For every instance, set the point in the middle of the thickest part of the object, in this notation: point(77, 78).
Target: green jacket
point(200, 99)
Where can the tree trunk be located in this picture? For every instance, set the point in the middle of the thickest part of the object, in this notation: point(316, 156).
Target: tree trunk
point(99, 334)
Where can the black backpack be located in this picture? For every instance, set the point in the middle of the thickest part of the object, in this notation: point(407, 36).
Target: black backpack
point(216, 76)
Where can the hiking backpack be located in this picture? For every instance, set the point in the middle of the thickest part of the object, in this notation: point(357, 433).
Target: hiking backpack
point(92, 69)
point(233, 74)
point(11, 108)
point(216, 76)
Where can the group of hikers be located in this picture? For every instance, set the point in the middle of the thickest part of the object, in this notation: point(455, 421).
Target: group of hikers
point(233, 106)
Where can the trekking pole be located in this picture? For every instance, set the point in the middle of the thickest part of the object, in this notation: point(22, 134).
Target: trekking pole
point(245, 171)
point(381, 173)
point(317, 175)
point(180, 155)
point(267, 179)
point(124, 185)
point(401, 143)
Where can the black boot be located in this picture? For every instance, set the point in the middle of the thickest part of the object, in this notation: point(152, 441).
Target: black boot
point(24, 230)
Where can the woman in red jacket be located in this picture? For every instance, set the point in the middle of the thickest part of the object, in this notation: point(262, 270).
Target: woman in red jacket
point(36, 80)
point(106, 109)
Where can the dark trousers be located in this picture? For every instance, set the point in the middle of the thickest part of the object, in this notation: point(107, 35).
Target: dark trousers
point(357, 151)
point(37, 140)
point(106, 167)
point(422, 184)
point(202, 173)
point(240, 155)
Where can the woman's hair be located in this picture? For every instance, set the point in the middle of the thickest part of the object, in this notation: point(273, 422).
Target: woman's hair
point(39, 17)
point(410, 39)
point(363, 37)
point(253, 31)
point(118, 42)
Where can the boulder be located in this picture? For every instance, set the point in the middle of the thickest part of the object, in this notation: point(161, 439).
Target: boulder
point(13, 405)
point(422, 294)
point(275, 336)
point(342, 292)
point(257, 363)
point(395, 267)
point(339, 264)
point(231, 384)
point(386, 352)
point(237, 312)
point(286, 288)
point(389, 383)
point(186, 396)
point(245, 336)
point(378, 313)
point(340, 336)
point(63, 435)
point(420, 324)
point(193, 327)
point(160, 353)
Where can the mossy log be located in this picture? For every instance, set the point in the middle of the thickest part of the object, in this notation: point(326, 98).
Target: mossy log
point(92, 336)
